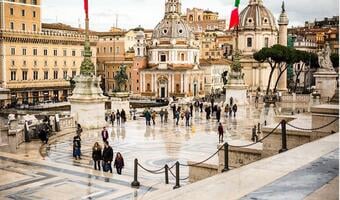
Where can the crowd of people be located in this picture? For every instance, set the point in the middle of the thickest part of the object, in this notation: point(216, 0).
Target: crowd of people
point(102, 157)
point(119, 117)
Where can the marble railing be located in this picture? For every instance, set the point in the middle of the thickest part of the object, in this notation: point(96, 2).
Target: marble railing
point(296, 98)
point(66, 122)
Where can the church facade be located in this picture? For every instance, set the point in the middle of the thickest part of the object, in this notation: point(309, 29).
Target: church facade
point(173, 67)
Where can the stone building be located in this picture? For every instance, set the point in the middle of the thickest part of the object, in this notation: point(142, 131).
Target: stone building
point(35, 58)
point(258, 29)
point(201, 20)
point(173, 58)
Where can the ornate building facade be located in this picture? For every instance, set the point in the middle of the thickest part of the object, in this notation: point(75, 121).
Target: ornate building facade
point(173, 58)
point(37, 59)
point(258, 29)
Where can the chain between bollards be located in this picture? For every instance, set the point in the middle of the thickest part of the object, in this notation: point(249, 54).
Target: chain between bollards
point(135, 182)
point(177, 176)
point(166, 174)
point(226, 157)
point(284, 136)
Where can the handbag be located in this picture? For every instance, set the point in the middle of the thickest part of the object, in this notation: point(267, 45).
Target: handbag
point(106, 166)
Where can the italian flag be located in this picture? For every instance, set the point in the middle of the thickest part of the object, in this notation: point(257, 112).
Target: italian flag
point(86, 8)
point(234, 18)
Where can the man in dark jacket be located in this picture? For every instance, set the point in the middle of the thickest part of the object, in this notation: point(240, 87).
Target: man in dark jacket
point(105, 134)
point(235, 109)
point(107, 157)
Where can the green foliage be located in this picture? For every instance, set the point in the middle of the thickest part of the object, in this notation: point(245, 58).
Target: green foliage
point(335, 60)
point(121, 77)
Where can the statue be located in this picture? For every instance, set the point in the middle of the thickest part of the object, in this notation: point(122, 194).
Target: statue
point(324, 57)
point(121, 77)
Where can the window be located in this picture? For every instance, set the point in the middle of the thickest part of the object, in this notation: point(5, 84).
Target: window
point(34, 14)
point(12, 25)
point(111, 49)
point(34, 2)
point(207, 53)
point(23, 27)
point(74, 63)
point(24, 63)
point(266, 42)
point(45, 63)
point(24, 52)
point(104, 50)
point(55, 74)
point(64, 52)
point(55, 52)
point(35, 75)
point(163, 58)
point(117, 50)
point(55, 63)
point(65, 74)
point(24, 75)
point(45, 52)
point(182, 57)
point(35, 63)
point(12, 51)
point(249, 42)
point(22, 1)
point(23, 13)
point(73, 53)
point(11, 11)
point(65, 63)
point(45, 75)
point(35, 52)
point(34, 27)
point(113, 75)
point(74, 73)
point(13, 63)
point(13, 75)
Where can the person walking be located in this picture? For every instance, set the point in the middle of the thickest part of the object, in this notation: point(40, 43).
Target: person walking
point(105, 134)
point(96, 155)
point(207, 110)
point(76, 147)
point(187, 118)
point(230, 112)
point(161, 114)
point(220, 133)
point(118, 117)
point(191, 109)
point(79, 129)
point(201, 106)
point(218, 114)
point(231, 101)
point(174, 110)
point(235, 109)
point(107, 157)
point(119, 163)
point(226, 110)
point(113, 118)
point(153, 116)
point(123, 116)
point(177, 117)
point(166, 115)
point(147, 116)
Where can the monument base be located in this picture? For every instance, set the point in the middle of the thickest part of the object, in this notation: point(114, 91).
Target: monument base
point(238, 92)
point(120, 101)
point(326, 83)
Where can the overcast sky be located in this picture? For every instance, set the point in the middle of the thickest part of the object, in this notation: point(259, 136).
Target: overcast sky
point(148, 13)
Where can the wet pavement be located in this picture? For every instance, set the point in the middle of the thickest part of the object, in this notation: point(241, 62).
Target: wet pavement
point(153, 146)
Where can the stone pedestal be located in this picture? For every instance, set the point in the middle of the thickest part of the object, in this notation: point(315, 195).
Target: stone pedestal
point(237, 89)
point(88, 102)
point(326, 84)
point(120, 101)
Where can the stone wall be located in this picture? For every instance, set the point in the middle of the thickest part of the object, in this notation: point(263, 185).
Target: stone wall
point(66, 122)
point(202, 171)
point(296, 98)
point(325, 114)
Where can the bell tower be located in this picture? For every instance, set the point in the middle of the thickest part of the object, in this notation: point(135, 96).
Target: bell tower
point(173, 6)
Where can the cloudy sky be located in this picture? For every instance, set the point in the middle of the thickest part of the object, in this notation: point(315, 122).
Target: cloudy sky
point(148, 13)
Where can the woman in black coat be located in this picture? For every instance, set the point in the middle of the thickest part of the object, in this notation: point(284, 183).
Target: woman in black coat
point(119, 163)
point(107, 157)
point(96, 155)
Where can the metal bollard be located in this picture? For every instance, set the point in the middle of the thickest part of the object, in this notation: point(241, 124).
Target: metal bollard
point(135, 182)
point(258, 128)
point(177, 176)
point(166, 174)
point(253, 134)
point(226, 157)
point(284, 136)
point(265, 122)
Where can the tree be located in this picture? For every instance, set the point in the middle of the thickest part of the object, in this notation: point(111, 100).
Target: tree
point(283, 66)
point(121, 77)
point(335, 60)
point(274, 56)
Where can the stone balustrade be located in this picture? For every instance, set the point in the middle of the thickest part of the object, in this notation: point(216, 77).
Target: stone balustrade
point(66, 123)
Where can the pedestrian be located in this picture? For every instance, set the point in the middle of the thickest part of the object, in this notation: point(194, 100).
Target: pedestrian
point(79, 129)
point(187, 118)
point(191, 109)
point(226, 110)
point(166, 115)
point(105, 134)
point(231, 101)
point(220, 133)
point(161, 114)
point(177, 117)
point(119, 163)
point(201, 106)
point(113, 118)
point(174, 110)
point(153, 116)
point(107, 157)
point(118, 117)
point(207, 110)
point(76, 147)
point(218, 114)
point(212, 103)
point(123, 116)
point(235, 109)
point(96, 155)
point(230, 112)
point(147, 116)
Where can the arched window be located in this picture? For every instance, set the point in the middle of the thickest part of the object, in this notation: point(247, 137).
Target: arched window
point(138, 51)
point(249, 42)
point(191, 18)
point(266, 42)
point(163, 58)
point(182, 56)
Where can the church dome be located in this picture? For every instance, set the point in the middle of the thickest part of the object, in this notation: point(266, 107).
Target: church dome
point(257, 16)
